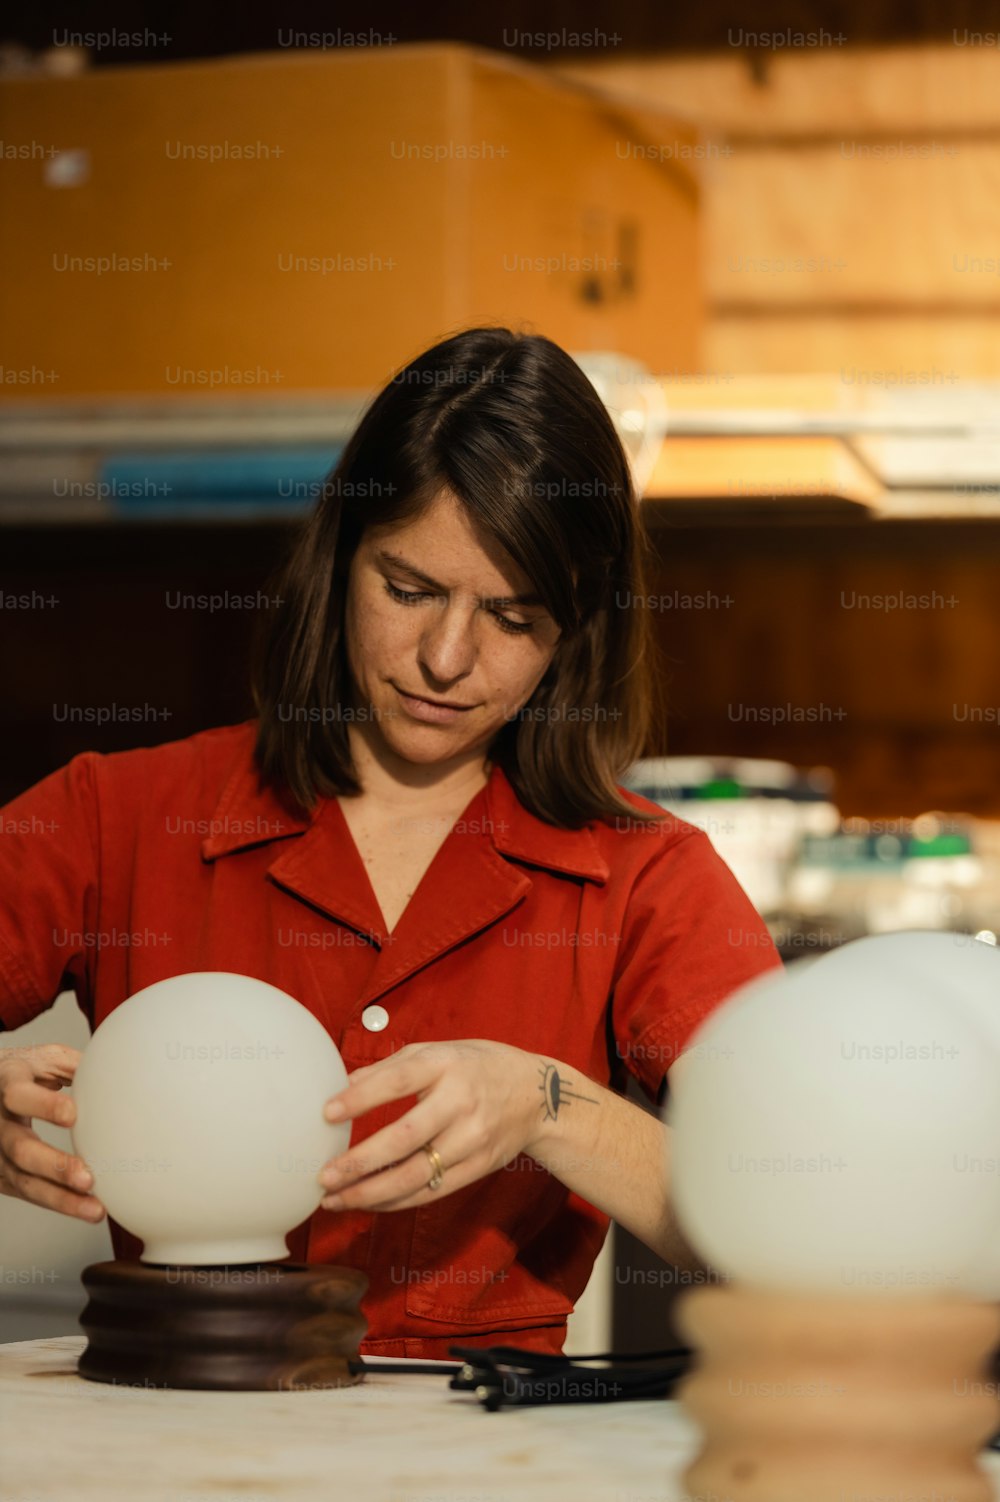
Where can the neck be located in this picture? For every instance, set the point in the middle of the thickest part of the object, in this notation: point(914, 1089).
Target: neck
point(392, 781)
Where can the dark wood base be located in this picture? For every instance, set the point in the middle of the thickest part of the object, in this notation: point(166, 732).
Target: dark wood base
point(274, 1326)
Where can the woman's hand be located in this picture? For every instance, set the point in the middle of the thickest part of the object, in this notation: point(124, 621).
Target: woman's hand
point(30, 1081)
point(479, 1104)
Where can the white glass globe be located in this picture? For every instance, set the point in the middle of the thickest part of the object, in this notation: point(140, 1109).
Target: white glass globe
point(200, 1114)
point(957, 967)
point(966, 972)
point(822, 1121)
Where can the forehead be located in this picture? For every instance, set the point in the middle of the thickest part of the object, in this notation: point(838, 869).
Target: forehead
point(443, 542)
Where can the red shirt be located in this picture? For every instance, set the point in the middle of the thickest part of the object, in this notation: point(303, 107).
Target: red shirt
point(603, 948)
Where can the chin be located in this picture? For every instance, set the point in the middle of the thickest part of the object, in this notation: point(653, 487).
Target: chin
point(425, 749)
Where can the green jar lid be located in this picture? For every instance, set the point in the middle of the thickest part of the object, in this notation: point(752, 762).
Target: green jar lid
point(721, 787)
point(941, 844)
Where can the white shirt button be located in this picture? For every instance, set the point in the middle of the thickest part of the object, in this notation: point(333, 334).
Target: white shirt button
point(375, 1019)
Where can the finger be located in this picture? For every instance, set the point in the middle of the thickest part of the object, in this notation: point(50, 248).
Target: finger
point(390, 1079)
point(406, 1184)
point(59, 1063)
point(24, 1096)
point(49, 1196)
point(352, 1078)
point(364, 1070)
point(53, 1064)
point(385, 1190)
point(21, 1148)
point(390, 1145)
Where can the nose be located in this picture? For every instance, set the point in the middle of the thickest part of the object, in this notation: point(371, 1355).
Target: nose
point(447, 650)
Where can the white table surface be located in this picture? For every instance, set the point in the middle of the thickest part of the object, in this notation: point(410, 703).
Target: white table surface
point(392, 1438)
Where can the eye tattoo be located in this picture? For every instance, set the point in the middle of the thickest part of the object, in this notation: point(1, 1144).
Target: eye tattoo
point(555, 1089)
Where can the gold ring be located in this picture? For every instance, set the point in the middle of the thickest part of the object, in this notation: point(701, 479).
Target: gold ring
point(437, 1176)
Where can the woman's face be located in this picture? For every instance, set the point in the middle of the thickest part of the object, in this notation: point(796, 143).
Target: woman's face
point(443, 640)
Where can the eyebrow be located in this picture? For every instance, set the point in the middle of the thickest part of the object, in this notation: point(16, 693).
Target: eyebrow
point(504, 601)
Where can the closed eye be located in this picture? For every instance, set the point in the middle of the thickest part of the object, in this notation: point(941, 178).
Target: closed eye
point(414, 597)
point(407, 596)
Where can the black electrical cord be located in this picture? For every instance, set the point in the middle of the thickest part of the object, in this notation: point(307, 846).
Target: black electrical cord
point(507, 1376)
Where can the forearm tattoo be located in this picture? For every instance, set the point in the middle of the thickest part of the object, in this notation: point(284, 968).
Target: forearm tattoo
point(556, 1090)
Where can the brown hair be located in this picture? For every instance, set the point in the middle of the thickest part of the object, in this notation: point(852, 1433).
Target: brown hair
point(511, 426)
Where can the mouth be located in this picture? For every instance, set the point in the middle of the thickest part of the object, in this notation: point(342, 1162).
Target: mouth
point(438, 703)
point(438, 710)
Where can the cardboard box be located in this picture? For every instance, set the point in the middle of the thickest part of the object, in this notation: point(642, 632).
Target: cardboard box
point(299, 221)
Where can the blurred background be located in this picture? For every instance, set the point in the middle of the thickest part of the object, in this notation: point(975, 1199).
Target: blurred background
point(773, 243)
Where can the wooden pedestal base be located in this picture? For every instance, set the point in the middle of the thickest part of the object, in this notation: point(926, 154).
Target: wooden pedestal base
point(805, 1399)
point(275, 1326)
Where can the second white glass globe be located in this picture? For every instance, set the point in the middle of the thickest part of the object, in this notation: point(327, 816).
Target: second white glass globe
point(829, 1123)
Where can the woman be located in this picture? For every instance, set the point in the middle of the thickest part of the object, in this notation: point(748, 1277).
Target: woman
point(421, 837)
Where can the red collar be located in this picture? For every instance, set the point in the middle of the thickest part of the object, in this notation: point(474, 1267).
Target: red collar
point(249, 813)
point(476, 876)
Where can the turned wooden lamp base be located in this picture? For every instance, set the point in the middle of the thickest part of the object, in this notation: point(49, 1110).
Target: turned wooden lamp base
point(274, 1326)
point(804, 1399)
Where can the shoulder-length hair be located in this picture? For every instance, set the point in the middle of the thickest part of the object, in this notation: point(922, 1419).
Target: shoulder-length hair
point(510, 425)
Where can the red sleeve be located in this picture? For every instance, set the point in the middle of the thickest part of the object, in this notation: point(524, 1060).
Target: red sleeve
point(691, 937)
point(49, 883)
